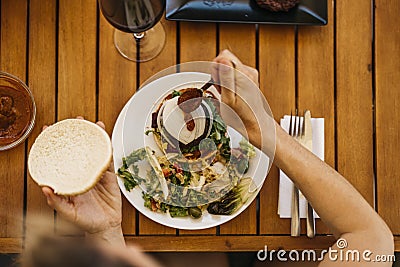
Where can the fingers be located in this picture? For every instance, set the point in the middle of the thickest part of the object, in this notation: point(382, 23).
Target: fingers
point(59, 203)
point(226, 73)
point(231, 74)
point(101, 124)
point(226, 58)
point(109, 178)
point(111, 167)
point(52, 199)
point(223, 74)
point(235, 62)
point(78, 117)
point(228, 55)
point(48, 192)
point(252, 73)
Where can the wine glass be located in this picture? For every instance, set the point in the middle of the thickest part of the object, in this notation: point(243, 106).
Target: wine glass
point(138, 35)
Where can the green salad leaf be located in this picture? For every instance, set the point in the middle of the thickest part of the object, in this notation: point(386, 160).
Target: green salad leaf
point(219, 132)
point(129, 181)
point(129, 172)
point(175, 93)
point(247, 148)
point(135, 156)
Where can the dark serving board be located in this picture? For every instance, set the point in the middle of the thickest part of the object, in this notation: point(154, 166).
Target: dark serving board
point(308, 12)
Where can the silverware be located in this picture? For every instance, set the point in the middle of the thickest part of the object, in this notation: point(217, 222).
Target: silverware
point(306, 141)
point(294, 130)
point(302, 132)
point(207, 85)
point(310, 221)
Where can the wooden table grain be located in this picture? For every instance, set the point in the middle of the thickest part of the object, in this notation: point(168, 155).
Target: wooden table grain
point(347, 72)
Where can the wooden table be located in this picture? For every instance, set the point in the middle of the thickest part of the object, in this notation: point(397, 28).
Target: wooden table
point(347, 72)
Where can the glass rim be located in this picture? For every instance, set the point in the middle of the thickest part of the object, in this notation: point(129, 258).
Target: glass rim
point(28, 130)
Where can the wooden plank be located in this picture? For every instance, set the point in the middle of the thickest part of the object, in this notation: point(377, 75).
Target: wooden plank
point(387, 58)
point(42, 81)
point(190, 49)
point(165, 59)
point(117, 83)
point(241, 40)
point(316, 85)
point(12, 60)
point(77, 59)
point(197, 51)
point(354, 94)
point(210, 243)
point(228, 243)
point(76, 64)
point(11, 245)
point(277, 82)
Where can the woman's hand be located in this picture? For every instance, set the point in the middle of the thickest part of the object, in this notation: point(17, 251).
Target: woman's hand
point(239, 90)
point(97, 211)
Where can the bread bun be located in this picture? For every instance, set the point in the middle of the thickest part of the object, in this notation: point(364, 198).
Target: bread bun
point(70, 156)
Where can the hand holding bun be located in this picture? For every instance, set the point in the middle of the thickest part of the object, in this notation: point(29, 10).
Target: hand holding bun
point(72, 161)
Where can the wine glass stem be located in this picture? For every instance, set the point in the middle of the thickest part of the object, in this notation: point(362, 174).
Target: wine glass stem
point(139, 36)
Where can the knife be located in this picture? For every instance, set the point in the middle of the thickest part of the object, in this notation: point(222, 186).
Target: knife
point(307, 142)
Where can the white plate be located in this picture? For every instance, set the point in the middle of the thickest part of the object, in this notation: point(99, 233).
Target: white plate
point(128, 135)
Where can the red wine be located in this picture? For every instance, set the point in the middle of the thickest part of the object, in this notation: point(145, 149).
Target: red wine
point(133, 16)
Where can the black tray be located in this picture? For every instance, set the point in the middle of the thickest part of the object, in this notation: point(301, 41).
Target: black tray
point(308, 12)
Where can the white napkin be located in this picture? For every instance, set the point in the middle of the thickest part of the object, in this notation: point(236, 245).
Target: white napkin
point(285, 184)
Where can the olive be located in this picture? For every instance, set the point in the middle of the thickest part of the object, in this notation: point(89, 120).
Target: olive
point(195, 212)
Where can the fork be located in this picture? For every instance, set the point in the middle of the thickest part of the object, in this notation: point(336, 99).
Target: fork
point(295, 131)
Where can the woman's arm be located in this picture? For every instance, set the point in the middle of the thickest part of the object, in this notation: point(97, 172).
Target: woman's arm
point(337, 202)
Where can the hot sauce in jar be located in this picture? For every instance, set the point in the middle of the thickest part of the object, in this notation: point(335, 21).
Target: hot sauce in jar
point(17, 111)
